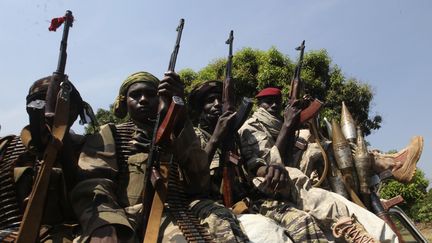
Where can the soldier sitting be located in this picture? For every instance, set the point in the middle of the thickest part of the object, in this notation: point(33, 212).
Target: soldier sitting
point(108, 197)
point(23, 155)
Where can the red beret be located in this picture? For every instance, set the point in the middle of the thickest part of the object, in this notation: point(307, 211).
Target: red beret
point(269, 92)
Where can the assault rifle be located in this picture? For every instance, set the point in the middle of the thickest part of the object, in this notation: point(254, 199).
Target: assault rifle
point(155, 177)
point(309, 108)
point(57, 112)
point(229, 155)
point(228, 146)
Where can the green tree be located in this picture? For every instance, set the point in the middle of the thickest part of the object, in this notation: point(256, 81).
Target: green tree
point(255, 69)
point(418, 202)
point(104, 117)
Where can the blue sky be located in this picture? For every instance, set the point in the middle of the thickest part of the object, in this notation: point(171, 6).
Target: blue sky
point(383, 43)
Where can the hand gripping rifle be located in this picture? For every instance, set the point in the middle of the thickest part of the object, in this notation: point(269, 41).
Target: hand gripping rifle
point(309, 108)
point(56, 111)
point(155, 178)
point(229, 155)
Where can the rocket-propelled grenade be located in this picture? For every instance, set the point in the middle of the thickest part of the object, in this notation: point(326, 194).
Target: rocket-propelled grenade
point(348, 124)
point(343, 156)
point(363, 163)
point(341, 148)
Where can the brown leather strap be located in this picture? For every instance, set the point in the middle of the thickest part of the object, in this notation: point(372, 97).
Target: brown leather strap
point(324, 154)
point(153, 225)
point(29, 228)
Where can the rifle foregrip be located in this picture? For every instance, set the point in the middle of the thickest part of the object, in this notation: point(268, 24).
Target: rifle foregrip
point(167, 126)
point(310, 111)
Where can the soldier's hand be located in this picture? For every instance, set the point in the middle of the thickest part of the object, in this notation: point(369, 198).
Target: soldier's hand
point(276, 176)
point(171, 85)
point(292, 115)
point(223, 125)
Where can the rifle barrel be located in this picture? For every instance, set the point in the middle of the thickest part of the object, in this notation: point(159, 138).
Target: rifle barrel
point(173, 58)
point(63, 45)
point(229, 42)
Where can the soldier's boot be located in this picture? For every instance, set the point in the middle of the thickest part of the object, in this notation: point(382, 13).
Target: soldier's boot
point(401, 164)
point(350, 230)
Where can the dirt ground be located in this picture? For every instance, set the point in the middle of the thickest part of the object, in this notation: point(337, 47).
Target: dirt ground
point(426, 230)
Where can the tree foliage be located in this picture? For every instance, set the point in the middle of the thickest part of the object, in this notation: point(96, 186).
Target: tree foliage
point(255, 69)
point(418, 202)
point(104, 117)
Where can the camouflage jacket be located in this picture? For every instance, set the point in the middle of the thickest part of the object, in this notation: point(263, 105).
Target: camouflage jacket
point(109, 190)
point(257, 142)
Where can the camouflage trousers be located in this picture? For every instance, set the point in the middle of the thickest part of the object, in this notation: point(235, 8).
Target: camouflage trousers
point(222, 224)
point(299, 225)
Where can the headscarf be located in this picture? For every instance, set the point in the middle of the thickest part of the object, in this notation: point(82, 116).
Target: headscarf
point(39, 89)
point(120, 109)
point(272, 123)
point(199, 92)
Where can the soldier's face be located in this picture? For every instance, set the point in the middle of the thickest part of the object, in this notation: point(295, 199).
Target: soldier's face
point(272, 104)
point(142, 102)
point(212, 107)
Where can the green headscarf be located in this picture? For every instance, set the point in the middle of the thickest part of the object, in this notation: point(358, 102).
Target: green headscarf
point(119, 108)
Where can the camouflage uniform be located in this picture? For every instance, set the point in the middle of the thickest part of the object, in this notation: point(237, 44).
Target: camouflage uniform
point(109, 191)
point(298, 225)
point(257, 137)
point(58, 220)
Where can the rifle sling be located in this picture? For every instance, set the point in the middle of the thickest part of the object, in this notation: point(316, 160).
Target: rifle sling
point(323, 152)
point(157, 207)
point(29, 228)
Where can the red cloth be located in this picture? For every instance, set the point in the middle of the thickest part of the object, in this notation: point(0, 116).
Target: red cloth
point(57, 22)
point(269, 92)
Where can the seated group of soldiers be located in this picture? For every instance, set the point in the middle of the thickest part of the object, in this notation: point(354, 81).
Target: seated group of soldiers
point(96, 186)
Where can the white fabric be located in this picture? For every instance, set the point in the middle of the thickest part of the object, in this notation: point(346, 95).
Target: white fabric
point(262, 229)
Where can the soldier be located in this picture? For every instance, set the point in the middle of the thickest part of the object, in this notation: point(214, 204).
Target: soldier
point(23, 155)
point(261, 137)
point(205, 102)
point(401, 164)
point(107, 198)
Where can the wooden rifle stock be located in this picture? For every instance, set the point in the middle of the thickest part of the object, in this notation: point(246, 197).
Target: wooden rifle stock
point(312, 110)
